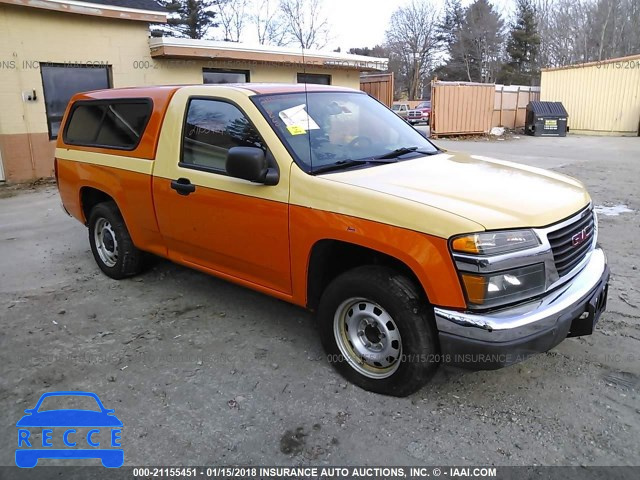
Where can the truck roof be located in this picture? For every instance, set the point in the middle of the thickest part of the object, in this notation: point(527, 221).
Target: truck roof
point(167, 91)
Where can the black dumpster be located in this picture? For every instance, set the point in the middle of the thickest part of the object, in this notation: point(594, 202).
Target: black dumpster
point(546, 119)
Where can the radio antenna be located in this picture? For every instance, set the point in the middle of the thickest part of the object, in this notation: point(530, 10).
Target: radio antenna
point(306, 101)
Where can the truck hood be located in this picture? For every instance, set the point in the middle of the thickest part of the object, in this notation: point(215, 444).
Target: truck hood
point(493, 193)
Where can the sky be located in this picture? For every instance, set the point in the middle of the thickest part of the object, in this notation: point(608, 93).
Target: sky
point(363, 23)
point(353, 23)
point(359, 23)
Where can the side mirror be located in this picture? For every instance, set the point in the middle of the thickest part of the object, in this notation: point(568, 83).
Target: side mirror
point(250, 163)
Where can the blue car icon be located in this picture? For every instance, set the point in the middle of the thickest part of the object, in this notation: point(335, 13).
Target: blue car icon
point(28, 452)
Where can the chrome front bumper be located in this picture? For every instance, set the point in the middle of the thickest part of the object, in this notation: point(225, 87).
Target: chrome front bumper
point(528, 328)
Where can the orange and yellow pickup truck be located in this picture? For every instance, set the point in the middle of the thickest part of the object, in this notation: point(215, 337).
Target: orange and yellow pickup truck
point(409, 255)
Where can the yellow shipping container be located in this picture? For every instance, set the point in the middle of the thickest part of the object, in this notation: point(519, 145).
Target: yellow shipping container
point(602, 98)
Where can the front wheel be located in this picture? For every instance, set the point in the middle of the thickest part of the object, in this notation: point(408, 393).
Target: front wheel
point(378, 331)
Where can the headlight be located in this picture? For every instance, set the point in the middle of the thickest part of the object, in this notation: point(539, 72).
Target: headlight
point(495, 243)
point(485, 291)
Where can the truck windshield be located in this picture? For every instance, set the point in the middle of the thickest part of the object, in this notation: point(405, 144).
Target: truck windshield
point(340, 129)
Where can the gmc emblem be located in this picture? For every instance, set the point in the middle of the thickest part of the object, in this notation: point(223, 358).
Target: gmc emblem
point(580, 237)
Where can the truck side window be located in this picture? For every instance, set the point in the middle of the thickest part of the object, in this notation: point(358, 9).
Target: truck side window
point(123, 124)
point(117, 124)
point(211, 128)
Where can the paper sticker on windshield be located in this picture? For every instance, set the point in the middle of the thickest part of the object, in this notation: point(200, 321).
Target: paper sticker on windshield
point(296, 130)
point(298, 117)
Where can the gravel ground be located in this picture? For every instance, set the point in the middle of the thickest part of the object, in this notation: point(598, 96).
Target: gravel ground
point(204, 372)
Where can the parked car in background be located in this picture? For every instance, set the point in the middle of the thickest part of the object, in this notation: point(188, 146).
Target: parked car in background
point(420, 114)
point(400, 109)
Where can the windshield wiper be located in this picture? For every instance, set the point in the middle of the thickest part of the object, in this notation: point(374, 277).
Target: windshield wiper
point(340, 164)
point(390, 157)
point(398, 152)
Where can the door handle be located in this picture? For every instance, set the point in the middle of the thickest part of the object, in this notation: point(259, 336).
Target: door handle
point(183, 186)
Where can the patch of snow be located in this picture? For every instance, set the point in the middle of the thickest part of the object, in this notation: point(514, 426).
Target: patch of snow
point(612, 211)
point(497, 131)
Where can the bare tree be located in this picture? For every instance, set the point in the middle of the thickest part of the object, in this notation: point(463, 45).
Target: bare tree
point(412, 40)
point(615, 28)
point(305, 23)
point(231, 17)
point(629, 32)
point(563, 26)
point(574, 31)
point(269, 23)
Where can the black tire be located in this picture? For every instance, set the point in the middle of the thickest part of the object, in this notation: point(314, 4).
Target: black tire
point(397, 296)
point(127, 260)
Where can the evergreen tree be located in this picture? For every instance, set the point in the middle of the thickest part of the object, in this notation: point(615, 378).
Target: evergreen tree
point(475, 48)
point(188, 18)
point(448, 37)
point(522, 47)
point(376, 51)
point(482, 39)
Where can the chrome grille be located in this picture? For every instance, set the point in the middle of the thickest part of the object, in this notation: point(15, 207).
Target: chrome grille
point(571, 243)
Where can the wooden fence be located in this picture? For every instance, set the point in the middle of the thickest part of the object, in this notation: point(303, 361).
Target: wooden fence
point(378, 85)
point(510, 105)
point(459, 108)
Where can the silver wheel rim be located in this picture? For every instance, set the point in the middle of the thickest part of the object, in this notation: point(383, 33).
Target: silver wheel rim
point(367, 337)
point(106, 243)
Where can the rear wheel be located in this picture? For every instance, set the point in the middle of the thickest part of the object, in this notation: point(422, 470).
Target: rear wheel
point(111, 244)
point(378, 331)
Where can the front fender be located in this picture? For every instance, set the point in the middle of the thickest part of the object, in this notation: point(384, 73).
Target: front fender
point(426, 256)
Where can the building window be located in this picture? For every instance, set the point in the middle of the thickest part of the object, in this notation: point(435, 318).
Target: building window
point(314, 78)
point(61, 82)
point(213, 127)
point(117, 124)
point(214, 75)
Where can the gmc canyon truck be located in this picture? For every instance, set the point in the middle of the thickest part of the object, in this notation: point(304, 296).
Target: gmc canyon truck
point(409, 255)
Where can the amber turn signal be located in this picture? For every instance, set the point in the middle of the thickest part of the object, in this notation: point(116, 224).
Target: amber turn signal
point(495, 243)
point(466, 244)
point(476, 288)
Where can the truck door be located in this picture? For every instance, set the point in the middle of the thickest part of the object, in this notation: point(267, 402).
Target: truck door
point(210, 220)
